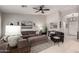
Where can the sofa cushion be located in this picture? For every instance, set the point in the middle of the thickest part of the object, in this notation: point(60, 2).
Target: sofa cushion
point(22, 43)
point(38, 40)
point(56, 37)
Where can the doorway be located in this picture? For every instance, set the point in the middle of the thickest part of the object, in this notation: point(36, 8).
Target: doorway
point(72, 28)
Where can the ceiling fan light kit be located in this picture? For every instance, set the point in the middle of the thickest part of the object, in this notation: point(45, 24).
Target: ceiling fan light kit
point(41, 9)
point(24, 6)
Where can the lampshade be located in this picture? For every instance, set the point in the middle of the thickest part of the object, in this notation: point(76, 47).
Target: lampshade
point(40, 27)
point(12, 30)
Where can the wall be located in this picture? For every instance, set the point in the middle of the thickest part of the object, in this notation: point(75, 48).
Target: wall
point(0, 24)
point(78, 23)
point(72, 10)
point(40, 20)
point(54, 18)
point(78, 17)
point(64, 18)
point(68, 29)
point(14, 18)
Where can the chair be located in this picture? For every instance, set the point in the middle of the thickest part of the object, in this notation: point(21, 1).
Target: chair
point(57, 37)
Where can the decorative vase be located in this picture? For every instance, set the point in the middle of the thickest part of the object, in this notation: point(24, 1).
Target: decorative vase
point(11, 23)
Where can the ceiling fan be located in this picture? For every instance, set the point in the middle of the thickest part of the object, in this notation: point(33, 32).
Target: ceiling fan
point(41, 9)
point(23, 6)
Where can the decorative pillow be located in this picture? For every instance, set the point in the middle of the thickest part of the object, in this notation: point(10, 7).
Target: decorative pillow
point(56, 37)
point(52, 32)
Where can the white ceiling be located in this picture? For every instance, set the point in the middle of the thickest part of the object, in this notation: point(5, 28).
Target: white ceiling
point(29, 9)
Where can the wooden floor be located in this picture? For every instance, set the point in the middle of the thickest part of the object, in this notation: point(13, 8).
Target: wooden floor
point(71, 45)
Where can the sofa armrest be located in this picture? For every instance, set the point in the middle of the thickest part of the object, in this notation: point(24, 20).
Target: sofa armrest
point(22, 43)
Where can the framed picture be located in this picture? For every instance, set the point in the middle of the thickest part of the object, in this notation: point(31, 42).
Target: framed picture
point(53, 25)
point(27, 24)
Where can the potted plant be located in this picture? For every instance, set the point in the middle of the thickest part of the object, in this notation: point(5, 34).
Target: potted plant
point(44, 31)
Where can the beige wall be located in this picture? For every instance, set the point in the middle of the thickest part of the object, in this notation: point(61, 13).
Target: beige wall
point(78, 17)
point(72, 10)
point(54, 18)
point(0, 24)
point(14, 18)
point(7, 18)
point(58, 16)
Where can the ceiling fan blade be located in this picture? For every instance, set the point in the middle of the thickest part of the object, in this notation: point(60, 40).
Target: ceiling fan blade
point(37, 11)
point(36, 8)
point(23, 5)
point(41, 9)
point(46, 9)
